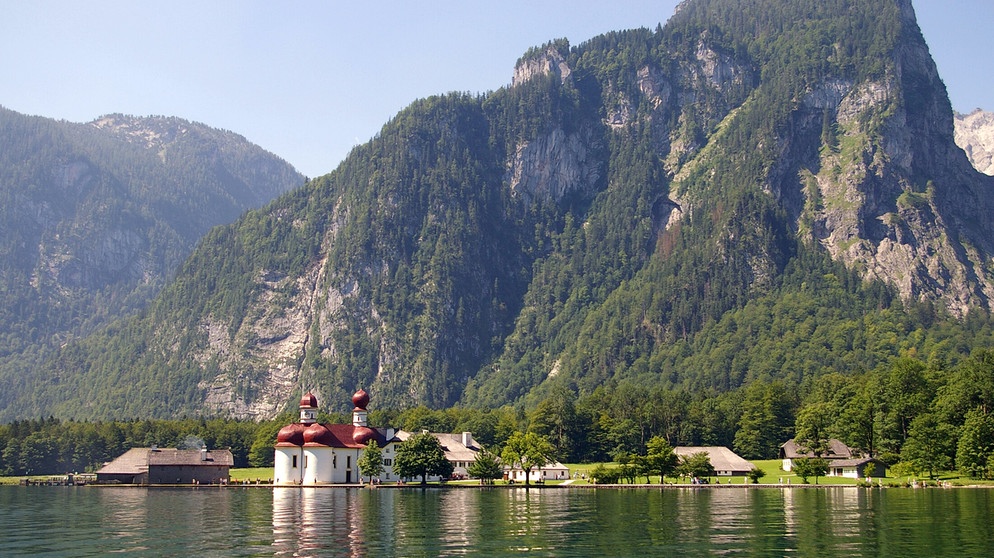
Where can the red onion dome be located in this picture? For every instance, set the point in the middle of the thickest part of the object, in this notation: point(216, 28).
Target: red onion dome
point(292, 434)
point(363, 434)
point(308, 400)
point(360, 399)
point(318, 434)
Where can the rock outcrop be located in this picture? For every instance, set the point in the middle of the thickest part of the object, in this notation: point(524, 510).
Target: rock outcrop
point(975, 134)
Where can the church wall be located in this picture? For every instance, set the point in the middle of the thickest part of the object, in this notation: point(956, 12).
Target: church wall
point(318, 469)
point(284, 471)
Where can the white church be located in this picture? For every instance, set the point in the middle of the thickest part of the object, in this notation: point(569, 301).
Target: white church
point(311, 453)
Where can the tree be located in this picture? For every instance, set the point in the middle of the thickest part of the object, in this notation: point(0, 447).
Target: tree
point(908, 391)
point(813, 423)
point(810, 467)
point(696, 465)
point(557, 419)
point(486, 467)
point(371, 461)
point(660, 458)
point(928, 446)
point(260, 453)
point(421, 455)
point(604, 475)
point(764, 422)
point(856, 423)
point(755, 474)
point(527, 450)
point(975, 450)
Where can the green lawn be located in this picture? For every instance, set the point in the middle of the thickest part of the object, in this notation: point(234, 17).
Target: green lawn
point(251, 474)
point(770, 466)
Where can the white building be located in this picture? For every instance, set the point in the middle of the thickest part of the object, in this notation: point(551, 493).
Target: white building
point(311, 453)
point(547, 472)
point(460, 450)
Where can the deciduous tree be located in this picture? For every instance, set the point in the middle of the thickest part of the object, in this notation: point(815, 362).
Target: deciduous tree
point(527, 450)
point(421, 455)
point(486, 467)
point(660, 458)
point(371, 461)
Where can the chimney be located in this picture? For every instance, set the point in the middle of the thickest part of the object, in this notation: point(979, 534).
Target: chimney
point(467, 439)
point(203, 453)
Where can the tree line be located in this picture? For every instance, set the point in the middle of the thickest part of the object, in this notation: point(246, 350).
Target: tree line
point(918, 416)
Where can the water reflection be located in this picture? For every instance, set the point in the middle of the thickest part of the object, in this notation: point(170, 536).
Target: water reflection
point(318, 521)
point(295, 521)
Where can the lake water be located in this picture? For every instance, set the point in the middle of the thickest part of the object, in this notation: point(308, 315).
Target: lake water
point(254, 521)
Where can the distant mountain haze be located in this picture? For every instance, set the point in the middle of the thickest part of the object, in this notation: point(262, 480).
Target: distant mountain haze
point(759, 190)
point(97, 217)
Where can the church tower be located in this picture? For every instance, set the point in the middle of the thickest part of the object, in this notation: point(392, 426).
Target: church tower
point(308, 409)
point(360, 400)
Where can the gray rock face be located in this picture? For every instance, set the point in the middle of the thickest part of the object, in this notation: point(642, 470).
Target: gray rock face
point(869, 206)
point(98, 215)
point(548, 61)
point(975, 134)
point(551, 167)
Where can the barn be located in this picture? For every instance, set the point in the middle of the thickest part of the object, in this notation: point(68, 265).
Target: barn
point(168, 466)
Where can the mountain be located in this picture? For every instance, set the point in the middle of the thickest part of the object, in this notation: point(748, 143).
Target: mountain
point(975, 134)
point(95, 218)
point(760, 190)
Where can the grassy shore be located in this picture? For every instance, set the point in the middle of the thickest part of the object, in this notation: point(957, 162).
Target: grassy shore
point(774, 475)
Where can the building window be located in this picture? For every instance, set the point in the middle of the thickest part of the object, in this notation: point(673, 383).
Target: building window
point(387, 462)
point(305, 462)
point(294, 462)
point(348, 461)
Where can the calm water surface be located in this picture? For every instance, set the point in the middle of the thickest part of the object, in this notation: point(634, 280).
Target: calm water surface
point(92, 521)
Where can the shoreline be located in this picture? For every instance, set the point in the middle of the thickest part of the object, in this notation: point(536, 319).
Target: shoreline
point(436, 486)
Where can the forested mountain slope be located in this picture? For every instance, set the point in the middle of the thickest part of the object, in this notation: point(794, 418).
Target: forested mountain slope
point(761, 189)
point(96, 217)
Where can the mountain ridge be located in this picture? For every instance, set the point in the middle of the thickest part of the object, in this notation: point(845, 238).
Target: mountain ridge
point(94, 223)
point(624, 211)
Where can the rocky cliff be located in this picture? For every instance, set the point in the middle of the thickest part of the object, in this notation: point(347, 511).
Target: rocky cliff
point(975, 134)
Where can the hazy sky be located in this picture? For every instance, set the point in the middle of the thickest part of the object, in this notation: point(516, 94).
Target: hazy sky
point(308, 80)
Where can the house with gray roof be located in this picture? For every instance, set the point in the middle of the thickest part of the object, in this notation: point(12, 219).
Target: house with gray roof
point(726, 463)
point(837, 451)
point(843, 461)
point(168, 466)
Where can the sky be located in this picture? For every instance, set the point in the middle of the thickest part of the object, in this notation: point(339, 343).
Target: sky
point(308, 80)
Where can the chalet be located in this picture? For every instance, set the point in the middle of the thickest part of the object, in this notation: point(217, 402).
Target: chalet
point(726, 463)
point(857, 468)
point(168, 466)
point(837, 451)
point(547, 472)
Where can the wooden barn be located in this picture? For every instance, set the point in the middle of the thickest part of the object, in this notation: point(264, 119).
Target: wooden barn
point(168, 466)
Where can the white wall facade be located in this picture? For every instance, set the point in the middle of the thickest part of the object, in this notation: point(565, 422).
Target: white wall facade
point(288, 465)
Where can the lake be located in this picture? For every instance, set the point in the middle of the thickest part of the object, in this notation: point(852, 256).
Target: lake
point(256, 521)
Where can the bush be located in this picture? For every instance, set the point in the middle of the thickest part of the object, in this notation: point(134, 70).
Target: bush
point(604, 475)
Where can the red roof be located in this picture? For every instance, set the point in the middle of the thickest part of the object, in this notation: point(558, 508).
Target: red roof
point(291, 435)
point(360, 400)
point(318, 435)
point(308, 400)
point(330, 435)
